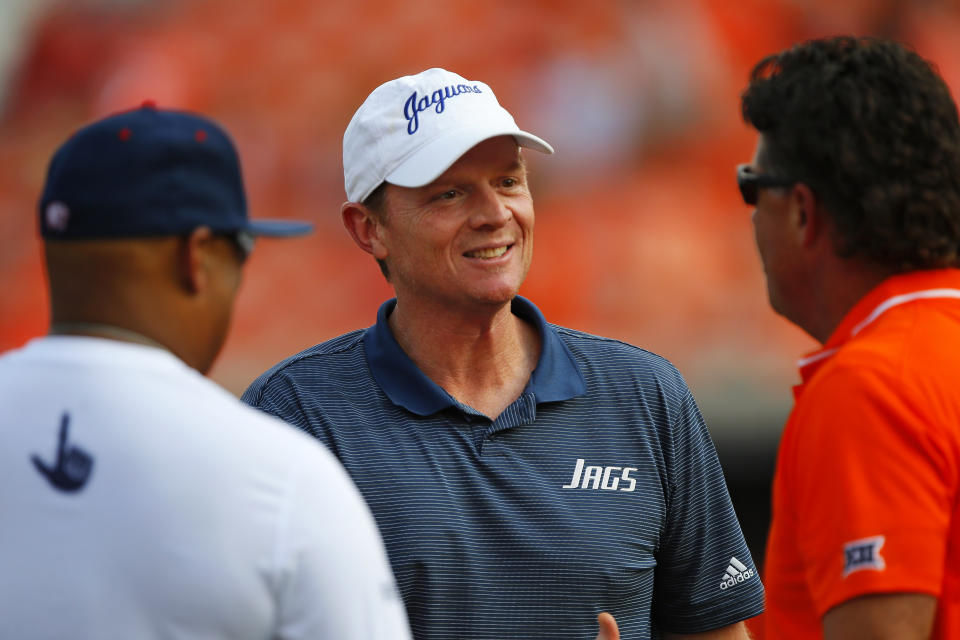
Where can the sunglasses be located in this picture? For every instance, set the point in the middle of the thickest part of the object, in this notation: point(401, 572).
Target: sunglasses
point(245, 241)
point(750, 182)
point(242, 241)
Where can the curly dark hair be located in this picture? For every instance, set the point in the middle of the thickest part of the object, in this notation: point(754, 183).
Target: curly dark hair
point(871, 128)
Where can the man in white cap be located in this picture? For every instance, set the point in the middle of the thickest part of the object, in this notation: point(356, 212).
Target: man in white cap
point(525, 477)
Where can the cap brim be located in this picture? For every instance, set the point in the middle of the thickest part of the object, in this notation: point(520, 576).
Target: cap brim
point(279, 228)
point(430, 161)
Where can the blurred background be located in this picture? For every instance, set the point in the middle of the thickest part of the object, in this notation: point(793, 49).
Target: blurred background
point(641, 234)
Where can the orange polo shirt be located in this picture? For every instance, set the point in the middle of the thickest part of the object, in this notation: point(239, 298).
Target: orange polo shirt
point(866, 495)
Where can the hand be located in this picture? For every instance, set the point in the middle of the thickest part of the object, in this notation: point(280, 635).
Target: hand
point(608, 627)
point(73, 465)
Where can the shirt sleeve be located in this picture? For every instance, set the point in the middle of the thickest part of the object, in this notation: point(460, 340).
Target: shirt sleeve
point(334, 580)
point(872, 481)
point(705, 575)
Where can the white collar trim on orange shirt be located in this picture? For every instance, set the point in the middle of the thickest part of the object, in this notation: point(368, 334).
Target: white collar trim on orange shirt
point(820, 355)
point(901, 299)
point(880, 309)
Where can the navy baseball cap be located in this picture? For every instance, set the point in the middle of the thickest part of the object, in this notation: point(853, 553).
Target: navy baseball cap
point(149, 172)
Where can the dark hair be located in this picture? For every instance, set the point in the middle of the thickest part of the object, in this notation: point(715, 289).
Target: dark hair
point(871, 128)
point(377, 203)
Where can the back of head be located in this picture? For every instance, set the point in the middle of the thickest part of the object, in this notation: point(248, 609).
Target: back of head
point(143, 214)
point(872, 129)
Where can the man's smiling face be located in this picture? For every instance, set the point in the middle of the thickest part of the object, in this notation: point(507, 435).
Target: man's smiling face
point(465, 239)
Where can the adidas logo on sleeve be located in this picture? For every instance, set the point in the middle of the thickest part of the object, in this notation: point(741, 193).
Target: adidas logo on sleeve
point(736, 573)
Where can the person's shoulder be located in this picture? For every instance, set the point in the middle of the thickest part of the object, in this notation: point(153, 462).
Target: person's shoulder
point(268, 436)
point(893, 376)
point(318, 354)
point(612, 353)
point(900, 382)
point(11, 358)
point(314, 363)
point(899, 354)
point(905, 343)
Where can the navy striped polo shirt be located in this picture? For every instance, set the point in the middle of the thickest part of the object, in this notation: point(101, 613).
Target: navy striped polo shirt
point(598, 489)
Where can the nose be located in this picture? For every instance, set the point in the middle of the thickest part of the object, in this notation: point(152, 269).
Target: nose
point(490, 208)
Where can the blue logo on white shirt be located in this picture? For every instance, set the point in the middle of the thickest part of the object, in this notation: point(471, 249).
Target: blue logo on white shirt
point(73, 466)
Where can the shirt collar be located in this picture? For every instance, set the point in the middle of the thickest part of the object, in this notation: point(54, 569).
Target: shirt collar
point(556, 377)
point(100, 351)
point(894, 291)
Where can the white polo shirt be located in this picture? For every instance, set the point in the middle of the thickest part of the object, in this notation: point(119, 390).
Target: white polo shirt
point(140, 500)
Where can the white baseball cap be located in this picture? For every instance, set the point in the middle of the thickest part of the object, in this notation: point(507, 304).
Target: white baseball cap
point(412, 129)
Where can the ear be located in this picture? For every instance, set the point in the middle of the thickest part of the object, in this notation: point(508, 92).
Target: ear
point(807, 215)
point(365, 228)
point(192, 259)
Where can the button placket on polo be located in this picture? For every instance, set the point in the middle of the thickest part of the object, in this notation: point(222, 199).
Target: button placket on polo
point(522, 411)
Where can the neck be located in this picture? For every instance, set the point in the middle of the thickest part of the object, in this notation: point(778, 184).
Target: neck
point(838, 294)
point(482, 358)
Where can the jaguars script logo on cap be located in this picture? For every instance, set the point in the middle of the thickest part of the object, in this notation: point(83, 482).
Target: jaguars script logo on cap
point(412, 107)
point(57, 216)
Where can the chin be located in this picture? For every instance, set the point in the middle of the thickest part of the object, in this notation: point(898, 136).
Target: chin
point(206, 359)
point(499, 295)
point(775, 304)
point(787, 312)
point(204, 366)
